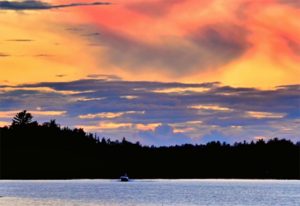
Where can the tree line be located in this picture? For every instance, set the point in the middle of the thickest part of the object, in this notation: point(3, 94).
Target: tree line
point(48, 151)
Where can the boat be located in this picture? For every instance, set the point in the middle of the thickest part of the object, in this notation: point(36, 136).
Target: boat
point(124, 178)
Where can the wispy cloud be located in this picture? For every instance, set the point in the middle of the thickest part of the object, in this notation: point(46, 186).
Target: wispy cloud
point(10, 114)
point(108, 77)
point(20, 40)
point(92, 34)
point(39, 5)
point(74, 29)
point(61, 75)
point(43, 55)
point(4, 55)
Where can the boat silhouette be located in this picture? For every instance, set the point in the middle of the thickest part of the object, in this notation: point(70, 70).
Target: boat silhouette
point(124, 178)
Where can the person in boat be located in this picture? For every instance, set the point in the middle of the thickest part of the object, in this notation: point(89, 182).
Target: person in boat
point(124, 178)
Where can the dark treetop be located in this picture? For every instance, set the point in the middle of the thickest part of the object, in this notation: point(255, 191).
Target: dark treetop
point(46, 151)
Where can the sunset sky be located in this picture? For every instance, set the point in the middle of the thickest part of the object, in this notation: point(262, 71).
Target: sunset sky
point(160, 72)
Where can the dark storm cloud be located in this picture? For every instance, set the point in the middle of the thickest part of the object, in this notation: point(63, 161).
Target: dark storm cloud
point(207, 47)
point(39, 5)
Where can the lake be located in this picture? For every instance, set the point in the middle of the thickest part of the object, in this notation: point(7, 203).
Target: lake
point(149, 192)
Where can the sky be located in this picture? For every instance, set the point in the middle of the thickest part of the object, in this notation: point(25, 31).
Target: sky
point(161, 72)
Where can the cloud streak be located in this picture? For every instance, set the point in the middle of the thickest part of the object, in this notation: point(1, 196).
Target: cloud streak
point(4, 54)
point(92, 34)
point(19, 40)
point(39, 5)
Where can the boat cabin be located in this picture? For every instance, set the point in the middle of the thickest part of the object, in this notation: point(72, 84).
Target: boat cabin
point(124, 178)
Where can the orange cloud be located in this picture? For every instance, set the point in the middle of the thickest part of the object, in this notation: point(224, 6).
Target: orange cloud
point(263, 138)
point(266, 38)
point(105, 126)
point(210, 107)
point(109, 114)
point(11, 114)
point(265, 114)
point(3, 123)
point(157, 40)
point(147, 126)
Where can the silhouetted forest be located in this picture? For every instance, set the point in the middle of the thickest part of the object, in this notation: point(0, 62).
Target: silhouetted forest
point(47, 151)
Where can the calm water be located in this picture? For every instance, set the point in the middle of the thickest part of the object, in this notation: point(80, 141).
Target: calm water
point(150, 192)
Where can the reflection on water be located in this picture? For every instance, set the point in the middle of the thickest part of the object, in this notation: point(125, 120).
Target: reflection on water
point(150, 192)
